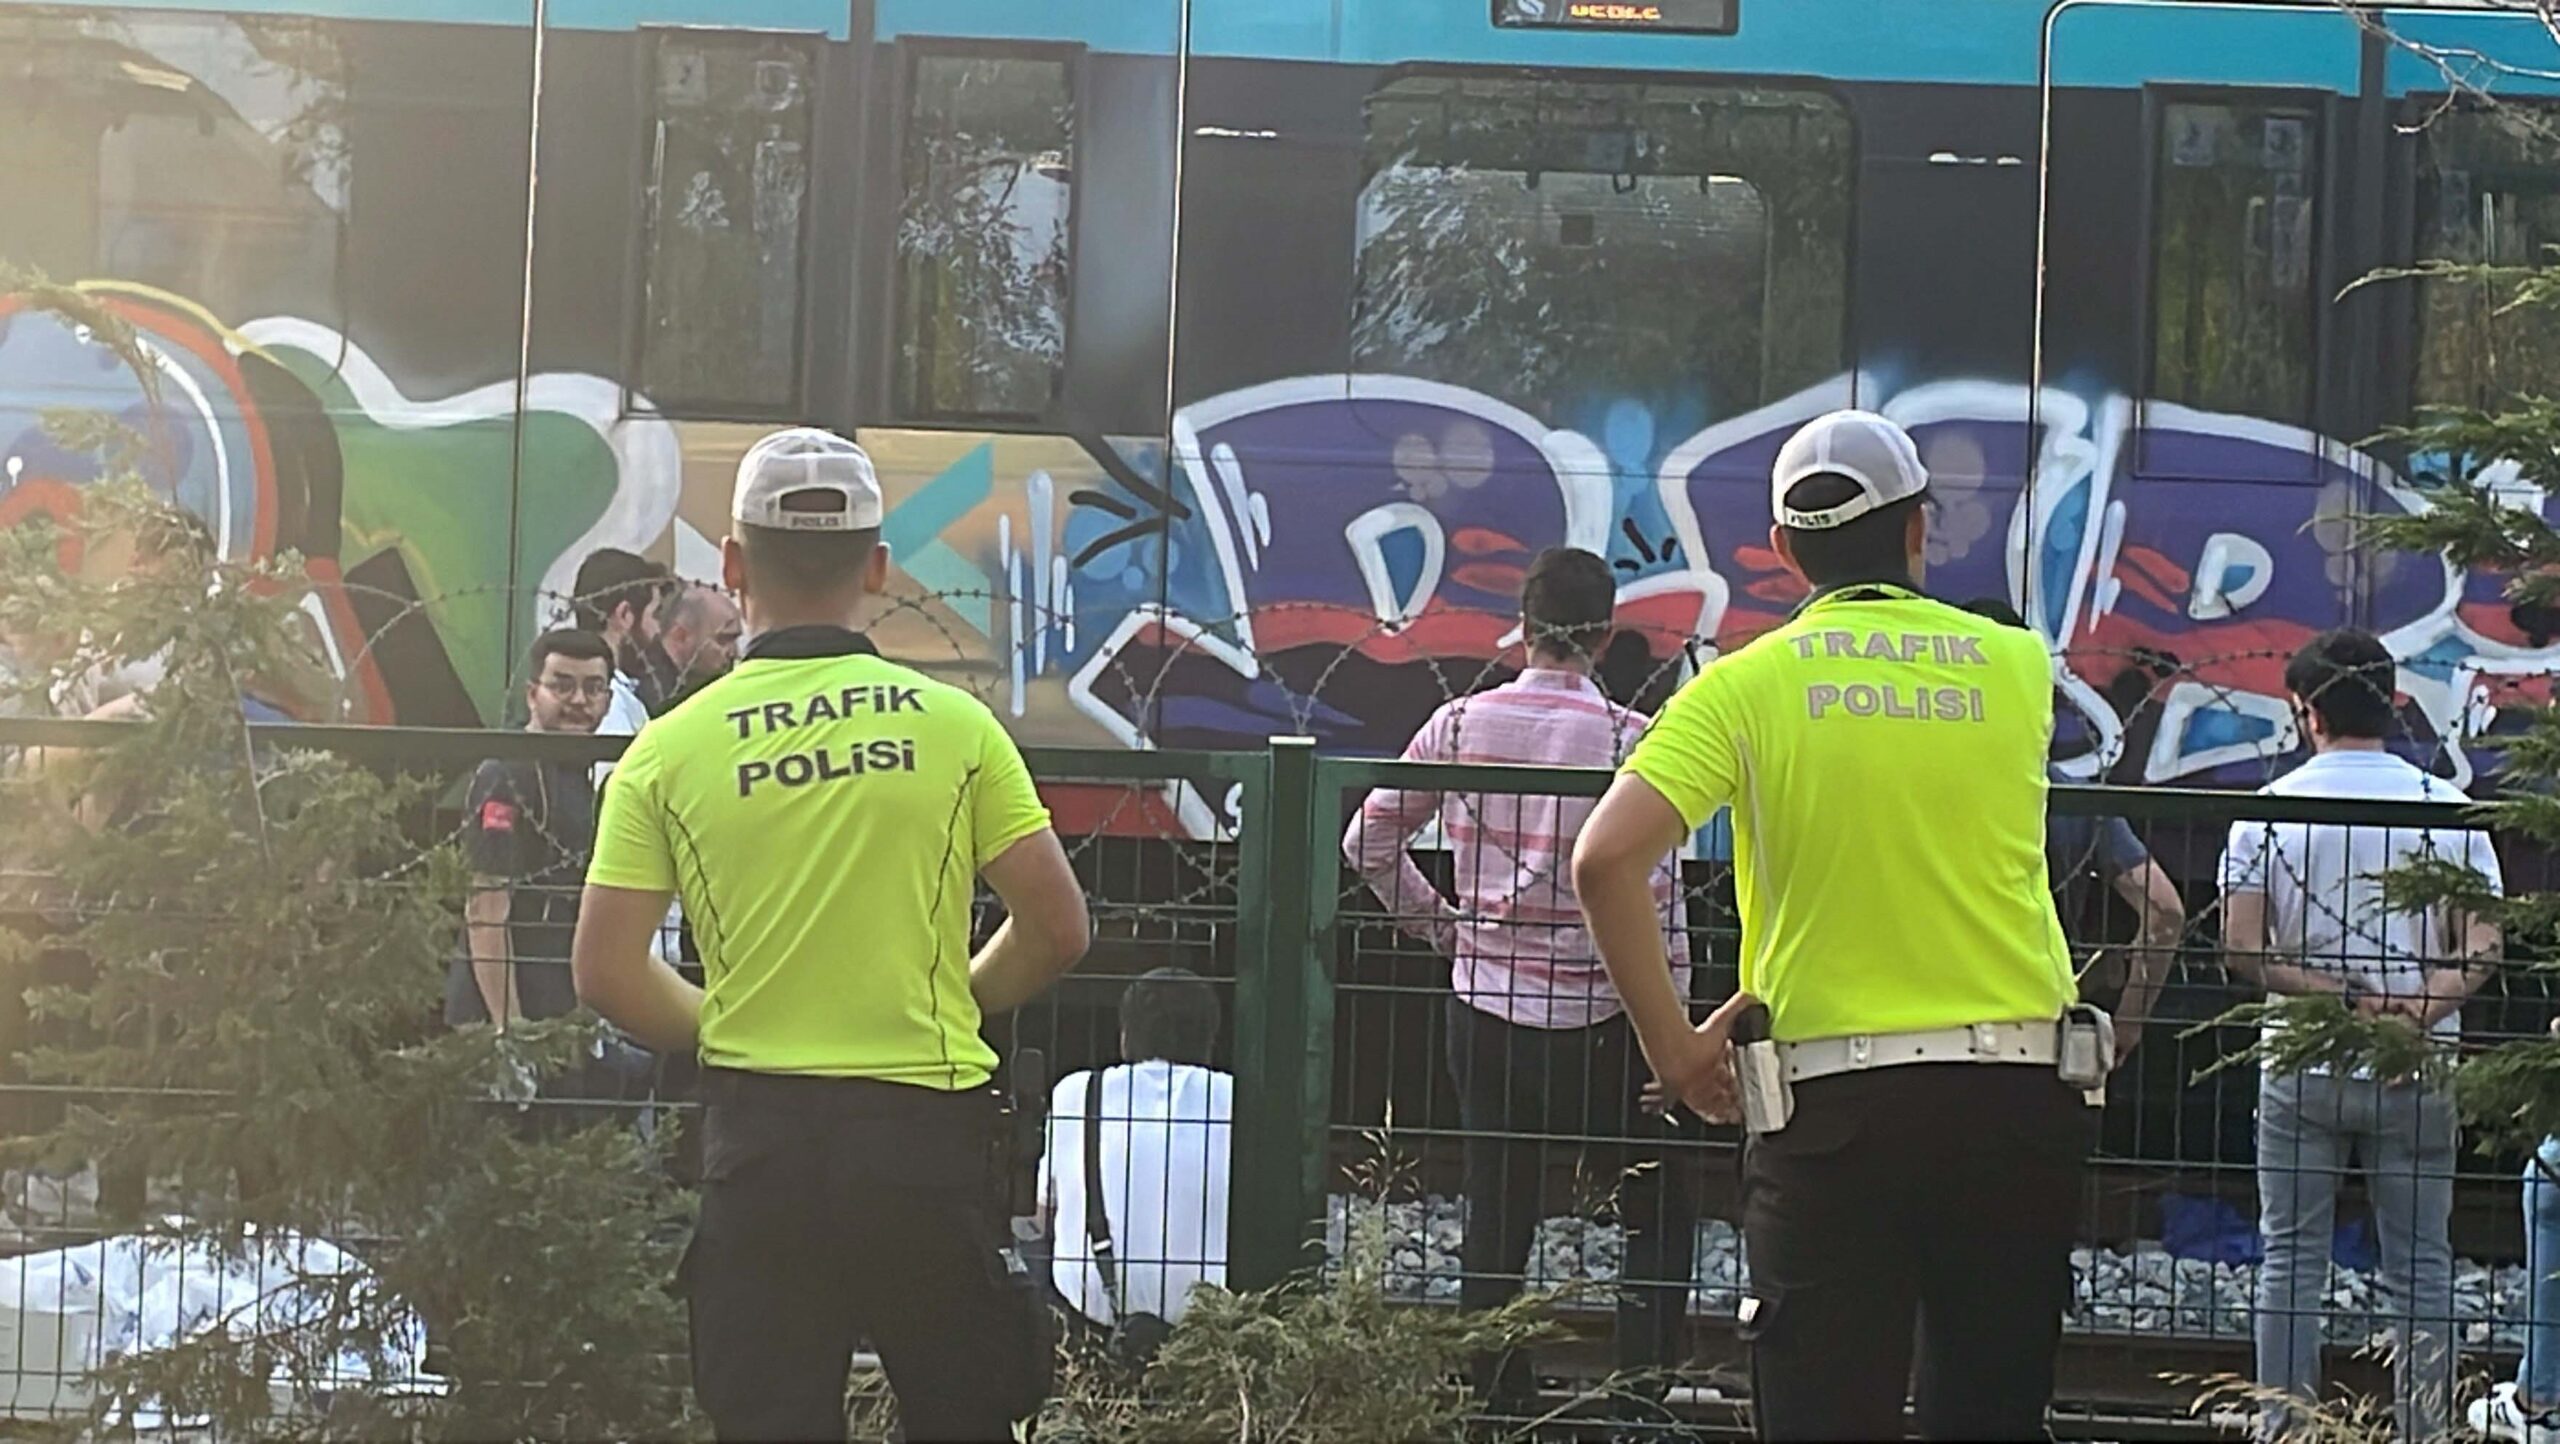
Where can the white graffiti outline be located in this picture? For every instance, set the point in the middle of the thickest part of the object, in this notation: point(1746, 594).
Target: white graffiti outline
point(1197, 818)
point(162, 362)
point(1367, 534)
point(1671, 487)
point(1582, 475)
point(2208, 600)
point(648, 454)
point(2169, 757)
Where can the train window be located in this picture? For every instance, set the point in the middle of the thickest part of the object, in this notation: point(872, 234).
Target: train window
point(728, 184)
point(2233, 281)
point(2488, 194)
point(1568, 245)
point(202, 154)
point(983, 236)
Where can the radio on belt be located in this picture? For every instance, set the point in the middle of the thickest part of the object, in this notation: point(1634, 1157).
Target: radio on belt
point(1768, 1099)
point(2087, 1051)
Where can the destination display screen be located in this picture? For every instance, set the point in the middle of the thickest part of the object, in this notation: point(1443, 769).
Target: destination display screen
point(1682, 17)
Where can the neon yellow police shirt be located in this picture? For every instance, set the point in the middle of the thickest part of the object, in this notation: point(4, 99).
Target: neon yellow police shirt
point(1884, 757)
point(824, 819)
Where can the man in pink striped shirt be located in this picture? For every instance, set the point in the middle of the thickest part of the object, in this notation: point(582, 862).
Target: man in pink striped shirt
point(1539, 1047)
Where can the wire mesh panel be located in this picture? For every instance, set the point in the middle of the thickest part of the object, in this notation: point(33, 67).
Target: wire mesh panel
point(1355, 1010)
point(212, 963)
point(116, 1258)
point(2173, 1285)
point(1493, 1113)
point(2271, 1206)
point(1122, 1076)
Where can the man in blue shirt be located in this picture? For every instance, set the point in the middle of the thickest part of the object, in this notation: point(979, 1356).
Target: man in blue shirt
point(2079, 847)
point(2123, 977)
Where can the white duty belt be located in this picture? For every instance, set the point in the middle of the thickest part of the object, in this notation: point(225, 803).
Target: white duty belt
point(2037, 1042)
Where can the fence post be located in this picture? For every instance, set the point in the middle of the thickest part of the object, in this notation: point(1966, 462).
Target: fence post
point(1284, 1022)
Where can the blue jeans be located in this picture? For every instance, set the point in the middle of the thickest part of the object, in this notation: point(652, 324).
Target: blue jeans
point(2539, 1379)
point(2309, 1126)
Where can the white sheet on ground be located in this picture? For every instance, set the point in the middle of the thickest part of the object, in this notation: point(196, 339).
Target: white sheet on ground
point(154, 1291)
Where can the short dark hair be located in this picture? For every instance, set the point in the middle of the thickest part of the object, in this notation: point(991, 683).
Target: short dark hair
point(1566, 602)
point(805, 563)
point(1170, 1014)
point(1868, 549)
point(610, 577)
point(1631, 676)
point(684, 603)
point(574, 643)
point(2348, 680)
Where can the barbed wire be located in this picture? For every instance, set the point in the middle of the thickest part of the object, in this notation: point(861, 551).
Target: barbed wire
point(1117, 690)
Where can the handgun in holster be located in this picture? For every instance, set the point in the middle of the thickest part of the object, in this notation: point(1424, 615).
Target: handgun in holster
point(1768, 1099)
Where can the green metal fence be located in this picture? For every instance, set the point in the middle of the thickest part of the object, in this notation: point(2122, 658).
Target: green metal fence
point(1321, 1016)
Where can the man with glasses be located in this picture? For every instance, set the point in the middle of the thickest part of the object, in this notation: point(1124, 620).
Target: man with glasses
point(528, 828)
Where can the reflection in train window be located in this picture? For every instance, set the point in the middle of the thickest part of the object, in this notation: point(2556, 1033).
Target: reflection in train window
point(983, 236)
point(728, 183)
point(2488, 195)
point(202, 154)
point(1567, 245)
point(2233, 258)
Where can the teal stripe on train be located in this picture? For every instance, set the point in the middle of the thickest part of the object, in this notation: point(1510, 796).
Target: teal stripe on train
point(826, 17)
point(2111, 43)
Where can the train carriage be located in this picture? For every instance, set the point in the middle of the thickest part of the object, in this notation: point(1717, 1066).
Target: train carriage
point(1227, 360)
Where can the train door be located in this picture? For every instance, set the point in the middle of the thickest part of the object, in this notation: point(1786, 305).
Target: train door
point(2187, 525)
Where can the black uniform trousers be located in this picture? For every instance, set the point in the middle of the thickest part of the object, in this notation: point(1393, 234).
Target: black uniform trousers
point(1941, 1196)
point(839, 1209)
point(1568, 1083)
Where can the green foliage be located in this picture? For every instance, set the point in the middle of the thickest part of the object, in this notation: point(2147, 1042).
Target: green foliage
point(2508, 1094)
point(2517, 287)
point(2321, 1031)
point(250, 1022)
point(1327, 1358)
point(1320, 1360)
point(983, 276)
point(37, 292)
point(2464, 518)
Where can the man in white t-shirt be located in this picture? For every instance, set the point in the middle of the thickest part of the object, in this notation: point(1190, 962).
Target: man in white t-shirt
point(2304, 913)
point(1167, 1137)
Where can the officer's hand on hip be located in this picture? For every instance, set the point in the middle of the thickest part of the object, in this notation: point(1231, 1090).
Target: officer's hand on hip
point(1700, 1071)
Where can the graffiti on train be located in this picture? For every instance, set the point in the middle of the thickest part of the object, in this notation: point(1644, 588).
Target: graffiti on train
point(1327, 555)
point(286, 438)
point(1335, 555)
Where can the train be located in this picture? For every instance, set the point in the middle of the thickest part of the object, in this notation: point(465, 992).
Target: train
point(1225, 361)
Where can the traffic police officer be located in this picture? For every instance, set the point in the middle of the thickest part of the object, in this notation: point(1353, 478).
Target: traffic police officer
point(1918, 1112)
point(825, 814)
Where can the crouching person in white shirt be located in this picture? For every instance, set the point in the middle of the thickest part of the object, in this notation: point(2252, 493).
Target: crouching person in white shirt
point(1163, 1123)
